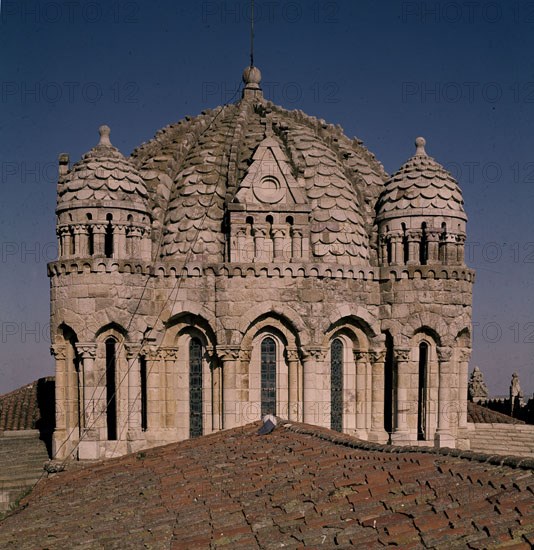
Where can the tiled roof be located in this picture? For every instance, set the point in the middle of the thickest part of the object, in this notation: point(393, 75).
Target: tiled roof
point(19, 409)
point(482, 415)
point(297, 487)
point(193, 168)
point(421, 183)
point(103, 174)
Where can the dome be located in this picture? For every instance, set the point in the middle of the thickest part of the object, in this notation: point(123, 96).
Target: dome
point(103, 174)
point(194, 168)
point(421, 187)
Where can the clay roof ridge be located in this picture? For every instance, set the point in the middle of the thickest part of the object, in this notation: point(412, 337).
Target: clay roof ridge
point(516, 462)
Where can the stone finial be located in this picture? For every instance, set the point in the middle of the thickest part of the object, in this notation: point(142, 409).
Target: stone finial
point(63, 164)
point(420, 143)
point(104, 135)
point(252, 77)
point(515, 387)
point(477, 388)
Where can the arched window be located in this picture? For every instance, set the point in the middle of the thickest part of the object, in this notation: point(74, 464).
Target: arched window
point(268, 376)
point(336, 385)
point(195, 388)
point(423, 249)
point(422, 390)
point(405, 250)
point(111, 388)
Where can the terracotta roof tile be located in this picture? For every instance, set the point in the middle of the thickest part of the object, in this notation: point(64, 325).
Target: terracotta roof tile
point(300, 486)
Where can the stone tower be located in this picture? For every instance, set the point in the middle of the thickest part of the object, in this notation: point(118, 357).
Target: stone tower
point(255, 260)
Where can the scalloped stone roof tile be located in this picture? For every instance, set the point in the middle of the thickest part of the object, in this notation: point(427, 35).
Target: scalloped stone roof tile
point(421, 183)
point(102, 174)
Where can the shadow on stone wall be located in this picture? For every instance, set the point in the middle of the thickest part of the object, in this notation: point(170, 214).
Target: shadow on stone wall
point(47, 413)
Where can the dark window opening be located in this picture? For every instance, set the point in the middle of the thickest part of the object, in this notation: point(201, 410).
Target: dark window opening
point(421, 402)
point(423, 249)
point(389, 385)
point(108, 238)
point(336, 385)
point(144, 395)
point(111, 393)
point(268, 376)
point(405, 250)
point(195, 388)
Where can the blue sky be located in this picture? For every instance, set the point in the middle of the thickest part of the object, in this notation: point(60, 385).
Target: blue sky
point(459, 73)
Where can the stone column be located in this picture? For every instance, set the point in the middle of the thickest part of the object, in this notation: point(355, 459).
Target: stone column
point(64, 242)
point(383, 249)
point(401, 432)
point(293, 383)
point(260, 252)
point(460, 250)
point(300, 244)
point(134, 391)
point(168, 386)
point(443, 437)
point(315, 410)
point(153, 384)
point(397, 251)
point(433, 247)
point(279, 235)
point(229, 356)
point(80, 241)
point(119, 246)
point(217, 394)
point(360, 358)
point(61, 430)
point(239, 254)
point(99, 234)
point(464, 355)
point(414, 244)
point(377, 433)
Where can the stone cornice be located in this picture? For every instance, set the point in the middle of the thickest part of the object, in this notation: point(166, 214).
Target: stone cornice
point(272, 270)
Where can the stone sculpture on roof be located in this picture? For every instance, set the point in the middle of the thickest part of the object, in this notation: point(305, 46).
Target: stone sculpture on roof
point(250, 261)
point(478, 391)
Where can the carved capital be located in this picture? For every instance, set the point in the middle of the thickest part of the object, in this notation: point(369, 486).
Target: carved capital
point(132, 350)
point(169, 354)
point(86, 350)
point(245, 355)
point(444, 354)
point(59, 351)
point(228, 353)
point(152, 353)
point(316, 353)
point(464, 354)
point(99, 228)
point(292, 354)
point(360, 355)
point(377, 356)
point(402, 354)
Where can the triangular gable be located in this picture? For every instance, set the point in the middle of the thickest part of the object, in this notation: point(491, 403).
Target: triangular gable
point(269, 180)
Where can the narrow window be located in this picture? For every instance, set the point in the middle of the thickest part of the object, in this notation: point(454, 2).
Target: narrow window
point(111, 393)
point(195, 388)
point(421, 402)
point(268, 376)
point(423, 249)
point(336, 385)
point(144, 401)
point(405, 251)
point(108, 238)
point(389, 385)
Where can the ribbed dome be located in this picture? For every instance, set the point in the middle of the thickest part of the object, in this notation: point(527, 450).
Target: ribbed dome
point(193, 170)
point(103, 174)
point(421, 184)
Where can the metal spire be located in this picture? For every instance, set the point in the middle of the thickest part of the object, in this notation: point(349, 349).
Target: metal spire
point(252, 35)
